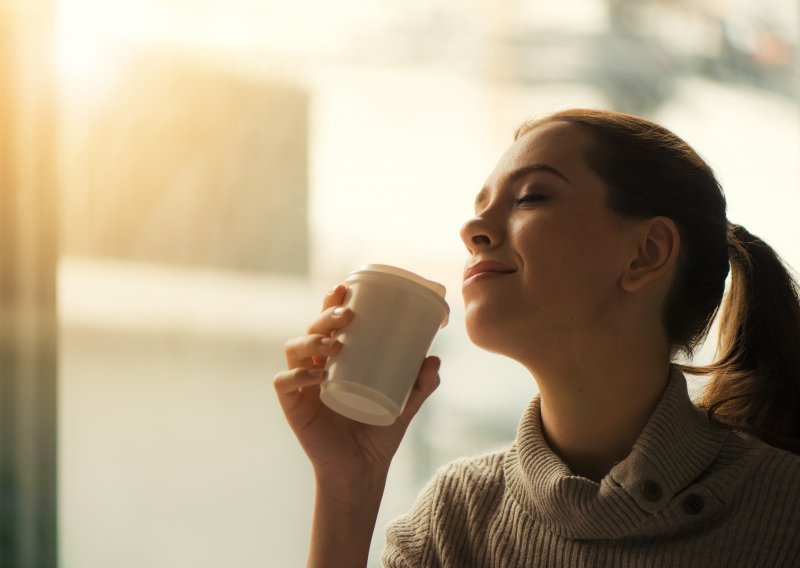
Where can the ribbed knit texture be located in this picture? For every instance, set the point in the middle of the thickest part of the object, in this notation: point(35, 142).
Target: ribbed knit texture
point(690, 493)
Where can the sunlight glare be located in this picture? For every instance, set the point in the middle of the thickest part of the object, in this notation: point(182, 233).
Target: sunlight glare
point(84, 59)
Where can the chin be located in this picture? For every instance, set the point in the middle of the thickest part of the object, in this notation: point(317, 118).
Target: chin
point(487, 332)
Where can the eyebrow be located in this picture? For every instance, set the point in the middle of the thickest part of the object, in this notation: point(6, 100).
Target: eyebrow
point(518, 174)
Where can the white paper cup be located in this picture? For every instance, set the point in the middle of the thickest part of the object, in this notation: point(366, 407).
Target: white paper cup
point(397, 315)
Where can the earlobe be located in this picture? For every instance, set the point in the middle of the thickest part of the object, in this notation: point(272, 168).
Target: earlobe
point(656, 251)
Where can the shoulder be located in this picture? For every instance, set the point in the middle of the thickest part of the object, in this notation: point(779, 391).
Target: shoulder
point(768, 484)
point(468, 477)
point(777, 470)
point(455, 503)
point(463, 483)
point(768, 463)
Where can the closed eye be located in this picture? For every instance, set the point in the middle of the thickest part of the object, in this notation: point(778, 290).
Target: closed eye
point(531, 198)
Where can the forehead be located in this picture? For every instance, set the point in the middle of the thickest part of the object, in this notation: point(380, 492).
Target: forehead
point(557, 144)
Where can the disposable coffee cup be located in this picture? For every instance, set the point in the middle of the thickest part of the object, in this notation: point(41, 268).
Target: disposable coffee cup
point(397, 315)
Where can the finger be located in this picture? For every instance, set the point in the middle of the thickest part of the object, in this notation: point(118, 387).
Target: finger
point(288, 383)
point(427, 382)
point(331, 319)
point(334, 297)
point(310, 350)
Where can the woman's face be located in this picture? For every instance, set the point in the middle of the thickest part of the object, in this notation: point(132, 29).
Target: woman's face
point(553, 248)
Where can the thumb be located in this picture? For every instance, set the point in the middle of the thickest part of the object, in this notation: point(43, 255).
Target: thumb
point(427, 382)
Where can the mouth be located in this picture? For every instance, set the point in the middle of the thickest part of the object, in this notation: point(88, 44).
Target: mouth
point(486, 269)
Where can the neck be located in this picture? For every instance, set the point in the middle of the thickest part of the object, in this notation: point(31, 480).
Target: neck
point(596, 401)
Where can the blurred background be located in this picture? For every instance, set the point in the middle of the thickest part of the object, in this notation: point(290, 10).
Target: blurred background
point(219, 165)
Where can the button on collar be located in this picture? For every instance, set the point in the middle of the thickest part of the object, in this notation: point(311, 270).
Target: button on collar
point(693, 504)
point(652, 491)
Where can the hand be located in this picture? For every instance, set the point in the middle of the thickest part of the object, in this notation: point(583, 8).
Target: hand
point(341, 450)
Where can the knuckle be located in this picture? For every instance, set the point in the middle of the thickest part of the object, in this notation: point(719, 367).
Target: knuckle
point(320, 322)
point(290, 345)
point(282, 381)
point(279, 379)
point(323, 322)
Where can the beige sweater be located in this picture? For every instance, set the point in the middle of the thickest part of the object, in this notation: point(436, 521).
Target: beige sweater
point(689, 494)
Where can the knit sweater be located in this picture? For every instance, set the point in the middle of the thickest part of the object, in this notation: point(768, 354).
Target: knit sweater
point(690, 493)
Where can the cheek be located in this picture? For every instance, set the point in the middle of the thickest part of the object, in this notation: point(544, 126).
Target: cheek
point(568, 259)
point(598, 259)
point(550, 250)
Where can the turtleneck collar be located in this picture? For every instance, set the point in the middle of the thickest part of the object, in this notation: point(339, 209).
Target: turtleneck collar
point(654, 490)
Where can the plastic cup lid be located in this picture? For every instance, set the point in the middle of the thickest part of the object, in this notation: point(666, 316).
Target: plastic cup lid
point(434, 287)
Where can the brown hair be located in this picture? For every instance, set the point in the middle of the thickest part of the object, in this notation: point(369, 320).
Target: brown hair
point(649, 172)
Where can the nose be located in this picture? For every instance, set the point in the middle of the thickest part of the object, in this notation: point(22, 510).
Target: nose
point(478, 234)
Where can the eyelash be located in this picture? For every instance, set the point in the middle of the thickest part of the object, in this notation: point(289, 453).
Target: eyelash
point(531, 197)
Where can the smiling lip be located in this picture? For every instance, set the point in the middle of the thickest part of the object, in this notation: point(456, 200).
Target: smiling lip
point(486, 268)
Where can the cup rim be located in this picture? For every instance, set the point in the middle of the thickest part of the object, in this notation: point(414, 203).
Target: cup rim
point(434, 287)
point(408, 277)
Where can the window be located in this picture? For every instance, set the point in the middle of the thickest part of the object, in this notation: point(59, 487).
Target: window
point(222, 164)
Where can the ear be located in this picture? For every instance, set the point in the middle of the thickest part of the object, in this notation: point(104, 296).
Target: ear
point(655, 255)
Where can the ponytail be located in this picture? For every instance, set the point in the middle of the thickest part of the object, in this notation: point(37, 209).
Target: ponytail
point(754, 386)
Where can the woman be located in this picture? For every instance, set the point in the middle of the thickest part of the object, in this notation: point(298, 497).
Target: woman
point(602, 247)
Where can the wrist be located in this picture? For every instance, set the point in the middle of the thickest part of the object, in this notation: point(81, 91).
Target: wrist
point(345, 511)
point(351, 485)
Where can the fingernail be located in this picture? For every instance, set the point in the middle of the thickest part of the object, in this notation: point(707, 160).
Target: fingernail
point(338, 312)
point(317, 372)
point(328, 341)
